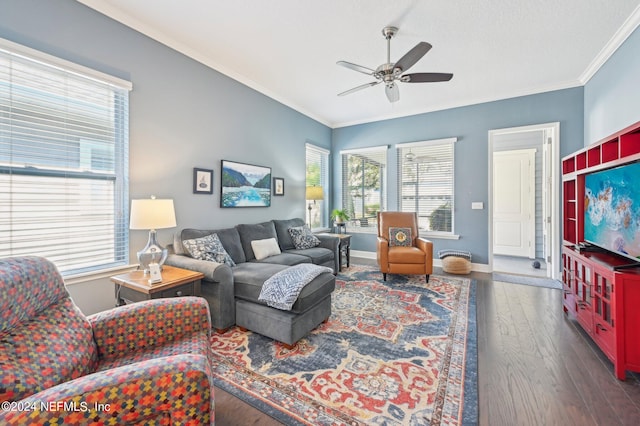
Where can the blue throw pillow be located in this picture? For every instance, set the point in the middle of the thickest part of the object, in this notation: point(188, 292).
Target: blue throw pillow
point(303, 238)
point(208, 248)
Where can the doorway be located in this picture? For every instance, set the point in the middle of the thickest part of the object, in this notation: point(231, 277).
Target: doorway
point(523, 194)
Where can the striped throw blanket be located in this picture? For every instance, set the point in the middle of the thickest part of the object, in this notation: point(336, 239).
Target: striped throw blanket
point(282, 289)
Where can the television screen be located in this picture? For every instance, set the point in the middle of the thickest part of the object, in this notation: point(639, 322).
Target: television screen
point(612, 209)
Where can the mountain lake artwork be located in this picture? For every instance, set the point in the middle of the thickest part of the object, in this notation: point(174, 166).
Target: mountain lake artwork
point(245, 185)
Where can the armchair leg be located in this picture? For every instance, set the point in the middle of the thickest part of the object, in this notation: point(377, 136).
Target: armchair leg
point(427, 276)
point(384, 276)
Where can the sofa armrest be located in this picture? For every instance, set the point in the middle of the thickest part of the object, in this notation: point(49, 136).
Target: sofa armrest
point(333, 244)
point(126, 395)
point(213, 271)
point(149, 323)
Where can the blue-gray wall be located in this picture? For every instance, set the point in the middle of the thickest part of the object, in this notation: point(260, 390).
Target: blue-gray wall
point(612, 96)
point(182, 114)
point(470, 125)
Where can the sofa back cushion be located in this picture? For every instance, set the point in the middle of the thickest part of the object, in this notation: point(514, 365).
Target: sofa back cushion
point(282, 229)
point(229, 238)
point(257, 231)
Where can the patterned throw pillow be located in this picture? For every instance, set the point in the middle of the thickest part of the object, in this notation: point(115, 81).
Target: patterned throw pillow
point(400, 237)
point(208, 248)
point(303, 238)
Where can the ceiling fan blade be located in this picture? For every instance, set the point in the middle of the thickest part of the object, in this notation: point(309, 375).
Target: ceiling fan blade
point(412, 56)
point(426, 77)
point(355, 89)
point(356, 67)
point(393, 93)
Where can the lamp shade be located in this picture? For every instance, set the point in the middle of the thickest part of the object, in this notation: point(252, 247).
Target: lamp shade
point(314, 193)
point(152, 214)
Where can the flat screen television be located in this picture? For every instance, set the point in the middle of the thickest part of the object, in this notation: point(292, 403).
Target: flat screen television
point(612, 210)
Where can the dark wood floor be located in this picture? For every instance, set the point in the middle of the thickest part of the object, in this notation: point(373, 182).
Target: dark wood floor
point(535, 366)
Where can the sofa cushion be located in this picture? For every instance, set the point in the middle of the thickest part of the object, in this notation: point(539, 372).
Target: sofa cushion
point(303, 238)
point(282, 229)
point(287, 258)
point(265, 248)
point(208, 248)
point(249, 277)
point(251, 232)
point(317, 255)
point(229, 238)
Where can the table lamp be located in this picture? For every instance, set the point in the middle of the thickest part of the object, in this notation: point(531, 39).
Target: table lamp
point(152, 214)
point(313, 193)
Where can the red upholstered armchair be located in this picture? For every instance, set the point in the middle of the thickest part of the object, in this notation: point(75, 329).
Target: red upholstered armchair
point(144, 363)
point(399, 249)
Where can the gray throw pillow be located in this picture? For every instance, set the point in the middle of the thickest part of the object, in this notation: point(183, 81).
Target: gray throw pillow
point(208, 248)
point(303, 238)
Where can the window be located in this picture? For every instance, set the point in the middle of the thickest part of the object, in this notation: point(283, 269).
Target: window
point(425, 179)
point(63, 162)
point(364, 191)
point(318, 175)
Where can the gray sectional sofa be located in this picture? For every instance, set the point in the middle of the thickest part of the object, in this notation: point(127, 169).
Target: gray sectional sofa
point(232, 291)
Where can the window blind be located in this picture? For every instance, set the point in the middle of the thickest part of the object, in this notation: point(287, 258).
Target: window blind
point(317, 166)
point(63, 164)
point(426, 184)
point(364, 191)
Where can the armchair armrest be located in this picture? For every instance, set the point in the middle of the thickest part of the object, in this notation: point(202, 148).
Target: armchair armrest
point(126, 395)
point(149, 323)
point(426, 246)
point(382, 253)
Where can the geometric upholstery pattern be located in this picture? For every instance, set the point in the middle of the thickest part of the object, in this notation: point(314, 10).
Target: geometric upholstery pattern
point(144, 363)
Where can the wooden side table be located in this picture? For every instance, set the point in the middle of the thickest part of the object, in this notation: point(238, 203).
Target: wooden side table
point(176, 282)
point(344, 248)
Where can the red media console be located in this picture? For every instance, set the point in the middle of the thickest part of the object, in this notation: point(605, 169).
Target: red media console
point(600, 290)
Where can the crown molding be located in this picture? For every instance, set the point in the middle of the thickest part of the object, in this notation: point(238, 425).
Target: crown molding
point(627, 28)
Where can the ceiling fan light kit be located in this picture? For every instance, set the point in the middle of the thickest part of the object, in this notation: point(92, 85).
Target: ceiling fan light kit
point(389, 73)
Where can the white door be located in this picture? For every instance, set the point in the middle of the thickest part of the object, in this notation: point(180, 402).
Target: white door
point(514, 203)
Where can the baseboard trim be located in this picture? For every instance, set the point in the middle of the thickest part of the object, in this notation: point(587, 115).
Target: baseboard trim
point(477, 267)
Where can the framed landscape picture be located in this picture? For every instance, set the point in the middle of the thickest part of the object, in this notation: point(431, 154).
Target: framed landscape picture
point(244, 185)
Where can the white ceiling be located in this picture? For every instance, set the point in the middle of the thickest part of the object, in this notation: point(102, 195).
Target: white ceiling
point(287, 49)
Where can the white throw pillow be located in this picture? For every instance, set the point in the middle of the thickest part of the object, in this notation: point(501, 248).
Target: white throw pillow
point(265, 248)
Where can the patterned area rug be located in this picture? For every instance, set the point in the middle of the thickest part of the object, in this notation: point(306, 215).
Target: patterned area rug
point(401, 352)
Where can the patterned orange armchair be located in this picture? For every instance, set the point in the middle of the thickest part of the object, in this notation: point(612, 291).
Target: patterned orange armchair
point(400, 250)
point(144, 363)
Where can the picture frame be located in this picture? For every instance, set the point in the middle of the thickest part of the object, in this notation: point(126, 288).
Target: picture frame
point(244, 185)
point(278, 186)
point(202, 181)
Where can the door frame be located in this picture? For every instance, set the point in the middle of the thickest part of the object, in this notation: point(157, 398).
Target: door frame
point(551, 203)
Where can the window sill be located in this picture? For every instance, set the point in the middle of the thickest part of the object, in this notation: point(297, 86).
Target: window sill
point(96, 275)
point(439, 235)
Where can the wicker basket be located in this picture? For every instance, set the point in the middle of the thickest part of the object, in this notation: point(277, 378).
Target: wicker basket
point(456, 265)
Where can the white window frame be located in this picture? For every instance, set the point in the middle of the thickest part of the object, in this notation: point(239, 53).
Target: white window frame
point(362, 221)
point(319, 209)
point(421, 150)
point(27, 175)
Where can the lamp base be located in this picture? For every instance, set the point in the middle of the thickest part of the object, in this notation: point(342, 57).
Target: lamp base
point(152, 253)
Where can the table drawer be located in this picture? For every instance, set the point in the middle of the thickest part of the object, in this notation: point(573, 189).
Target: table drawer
point(183, 290)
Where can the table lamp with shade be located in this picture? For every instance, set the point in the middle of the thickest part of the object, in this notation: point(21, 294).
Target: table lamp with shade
point(313, 193)
point(152, 214)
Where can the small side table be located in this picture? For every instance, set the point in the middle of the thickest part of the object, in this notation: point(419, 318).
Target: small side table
point(176, 282)
point(344, 248)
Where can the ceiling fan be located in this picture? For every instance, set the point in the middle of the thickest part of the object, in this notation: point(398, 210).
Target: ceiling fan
point(390, 73)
